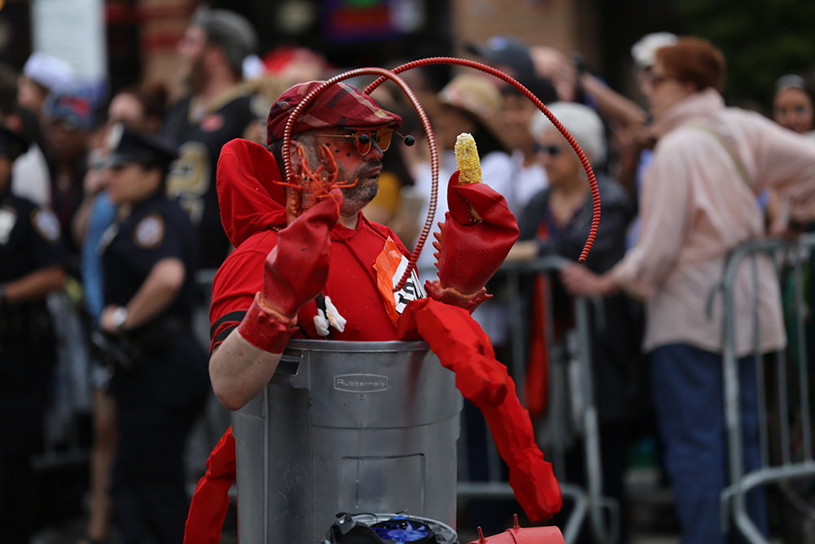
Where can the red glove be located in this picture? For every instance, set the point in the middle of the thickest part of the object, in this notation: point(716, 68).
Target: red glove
point(295, 272)
point(477, 233)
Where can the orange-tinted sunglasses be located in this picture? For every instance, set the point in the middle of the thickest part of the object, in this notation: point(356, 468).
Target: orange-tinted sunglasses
point(364, 139)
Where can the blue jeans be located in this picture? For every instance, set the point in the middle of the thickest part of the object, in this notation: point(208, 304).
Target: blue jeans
point(688, 392)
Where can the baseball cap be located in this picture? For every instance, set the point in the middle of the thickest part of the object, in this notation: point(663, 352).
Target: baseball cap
point(338, 105)
point(74, 110)
point(51, 72)
point(128, 145)
point(508, 51)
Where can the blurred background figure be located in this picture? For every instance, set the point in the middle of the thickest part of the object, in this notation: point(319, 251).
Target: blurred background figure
point(160, 382)
point(214, 111)
point(699, 202)
point(295, 65)
point(529, 175)
point(560, 70)
point(643, 52)
point(31, 267)
point(70, 122)
point(793, 108)
point(142, 109)
point(634, 143)
point(793, 105)
point(42, 75)
point(31, 177)
point(556, 221)
point(265, 90)
point(507, 54)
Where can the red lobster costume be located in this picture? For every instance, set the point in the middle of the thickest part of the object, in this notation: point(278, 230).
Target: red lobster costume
point(266, 289)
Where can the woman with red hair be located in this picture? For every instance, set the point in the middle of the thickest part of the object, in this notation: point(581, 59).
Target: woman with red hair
point(698, 202)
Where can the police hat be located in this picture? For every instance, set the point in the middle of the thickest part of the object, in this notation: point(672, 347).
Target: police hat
point(12, 144)
point(128, 145)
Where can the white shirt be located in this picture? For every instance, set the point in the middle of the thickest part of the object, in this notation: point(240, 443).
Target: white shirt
point(30, 177)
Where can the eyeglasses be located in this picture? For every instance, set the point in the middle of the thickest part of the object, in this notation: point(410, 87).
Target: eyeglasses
point(656, 79)
point(364, 139)
point(552, 150)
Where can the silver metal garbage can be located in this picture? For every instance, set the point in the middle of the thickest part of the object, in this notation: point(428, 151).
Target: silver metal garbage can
point(357, 427)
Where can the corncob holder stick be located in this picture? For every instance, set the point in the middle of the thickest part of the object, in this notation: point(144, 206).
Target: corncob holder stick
point(385, 74)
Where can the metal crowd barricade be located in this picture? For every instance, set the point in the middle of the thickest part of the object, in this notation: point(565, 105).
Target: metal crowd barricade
point(589, 504)
point(63, 442)
point(791, 258)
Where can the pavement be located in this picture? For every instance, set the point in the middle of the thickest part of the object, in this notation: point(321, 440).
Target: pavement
point(652, 523)
point(652, 520)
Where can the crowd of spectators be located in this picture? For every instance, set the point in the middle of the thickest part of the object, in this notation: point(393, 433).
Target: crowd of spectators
point(644, 271)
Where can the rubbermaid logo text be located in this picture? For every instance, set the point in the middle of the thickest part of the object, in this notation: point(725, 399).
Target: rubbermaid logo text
point(360, 383)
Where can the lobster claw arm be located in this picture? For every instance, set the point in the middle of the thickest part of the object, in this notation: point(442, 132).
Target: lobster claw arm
point(475, 238)
point(463, 347)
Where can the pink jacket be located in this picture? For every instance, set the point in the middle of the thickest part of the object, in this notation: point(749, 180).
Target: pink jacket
point(696, 208)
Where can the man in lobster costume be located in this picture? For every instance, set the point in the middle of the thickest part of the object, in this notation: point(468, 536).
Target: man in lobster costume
point(308, 264)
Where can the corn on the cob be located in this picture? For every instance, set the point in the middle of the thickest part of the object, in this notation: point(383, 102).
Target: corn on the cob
point(467, 161)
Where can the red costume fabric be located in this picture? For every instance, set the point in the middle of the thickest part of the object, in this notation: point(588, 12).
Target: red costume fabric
point(253, 213)
point(465, 349)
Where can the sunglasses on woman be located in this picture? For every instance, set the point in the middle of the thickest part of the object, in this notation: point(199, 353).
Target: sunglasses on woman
point(364, 139)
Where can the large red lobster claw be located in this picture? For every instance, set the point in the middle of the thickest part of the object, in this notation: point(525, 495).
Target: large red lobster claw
point(294, 272)
point(477, 233)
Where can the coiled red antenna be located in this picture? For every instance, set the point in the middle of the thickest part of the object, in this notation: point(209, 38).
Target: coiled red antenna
point(595, 193)
point(384, 75)
point(431, 142)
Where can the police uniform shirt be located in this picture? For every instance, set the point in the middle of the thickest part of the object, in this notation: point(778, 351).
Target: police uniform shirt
point(29, 238)
point(156, 229)
point(200, 137)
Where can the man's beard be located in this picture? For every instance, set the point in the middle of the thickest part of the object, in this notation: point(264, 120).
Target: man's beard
point(357, 197)
point(353, 198)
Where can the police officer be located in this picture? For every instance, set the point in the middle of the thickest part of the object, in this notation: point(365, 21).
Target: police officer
point(31, 267)
point(148, 257)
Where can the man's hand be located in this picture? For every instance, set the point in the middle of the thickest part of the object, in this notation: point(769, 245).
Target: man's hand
point(295, 272)
point(477, 233)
